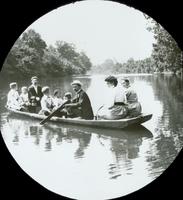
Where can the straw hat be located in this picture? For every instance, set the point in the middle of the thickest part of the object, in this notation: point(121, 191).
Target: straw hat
point(34, 77)
point(13, 84)
point(76, 82)
point(45, 89)
point(68, 94)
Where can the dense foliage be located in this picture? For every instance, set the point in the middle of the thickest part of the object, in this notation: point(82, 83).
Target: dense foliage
point(30, 55)
point(166, 54)
point(131, 66)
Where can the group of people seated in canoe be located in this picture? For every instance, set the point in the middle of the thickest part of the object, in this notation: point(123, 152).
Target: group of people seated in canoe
point(36, 99)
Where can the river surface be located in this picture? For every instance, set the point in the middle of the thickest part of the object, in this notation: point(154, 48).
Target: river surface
point(89, 163)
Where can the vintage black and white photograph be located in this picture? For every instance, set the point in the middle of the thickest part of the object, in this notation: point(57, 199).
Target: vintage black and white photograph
point(91, 100)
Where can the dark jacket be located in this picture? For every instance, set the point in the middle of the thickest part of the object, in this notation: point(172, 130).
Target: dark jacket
point(82, 102)
point(32, 93)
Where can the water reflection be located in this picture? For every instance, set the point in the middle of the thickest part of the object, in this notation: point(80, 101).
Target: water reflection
point(123, 145)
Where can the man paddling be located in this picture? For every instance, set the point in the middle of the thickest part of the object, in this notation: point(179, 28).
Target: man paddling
point(80, 105)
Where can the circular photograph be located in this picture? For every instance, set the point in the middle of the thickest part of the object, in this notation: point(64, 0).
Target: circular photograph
point(89, 100)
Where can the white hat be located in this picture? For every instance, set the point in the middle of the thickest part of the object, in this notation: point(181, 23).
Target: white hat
point(68, 94)
point(13, 84)
point(34, 77)
point(76, 82)
point(44, 89)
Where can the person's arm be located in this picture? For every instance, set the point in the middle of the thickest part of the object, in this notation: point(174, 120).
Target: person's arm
point(8, 99)
point(21, 100)
point(109, 102)
point(79, 103)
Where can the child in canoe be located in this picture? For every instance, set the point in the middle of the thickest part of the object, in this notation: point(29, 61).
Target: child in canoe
point(47, 103)
point(13, 98)
point(65, 112)
point(24, 99)
point(57, 100)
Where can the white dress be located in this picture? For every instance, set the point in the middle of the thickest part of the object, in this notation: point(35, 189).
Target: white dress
point(13, 100)
point(113, 107)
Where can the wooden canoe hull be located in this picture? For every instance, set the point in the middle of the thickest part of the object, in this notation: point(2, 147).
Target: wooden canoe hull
point(116, 124)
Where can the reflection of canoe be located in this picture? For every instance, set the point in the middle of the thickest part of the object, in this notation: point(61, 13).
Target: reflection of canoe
point(117, 124)
point(130, 132)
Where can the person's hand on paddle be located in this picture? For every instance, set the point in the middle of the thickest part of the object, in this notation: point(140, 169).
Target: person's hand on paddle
point(54, 108)
point(53, 113)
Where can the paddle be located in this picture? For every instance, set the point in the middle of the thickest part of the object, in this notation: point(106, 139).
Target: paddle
point(53, 113)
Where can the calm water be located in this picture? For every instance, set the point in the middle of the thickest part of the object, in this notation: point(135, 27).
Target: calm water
point(88, 163)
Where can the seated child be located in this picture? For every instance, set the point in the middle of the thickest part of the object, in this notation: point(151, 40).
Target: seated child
point(24, 98)
point(56, 99)
point(68, 98)
point(65, 112)
point(47, 104)
point(13, 98)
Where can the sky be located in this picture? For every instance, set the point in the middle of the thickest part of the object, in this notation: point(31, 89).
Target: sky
point(102, 29)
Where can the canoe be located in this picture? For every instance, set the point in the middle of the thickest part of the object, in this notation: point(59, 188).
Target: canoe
point(116, 124)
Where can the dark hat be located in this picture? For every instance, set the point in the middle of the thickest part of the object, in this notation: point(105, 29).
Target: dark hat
point(126, 79)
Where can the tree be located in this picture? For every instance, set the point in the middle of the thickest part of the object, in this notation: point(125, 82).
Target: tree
point(73, 61)
point(30, 55)
point(166, 53)
point(52, 62)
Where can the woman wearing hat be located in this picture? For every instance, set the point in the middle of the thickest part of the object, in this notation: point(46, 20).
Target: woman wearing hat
point(115, 105)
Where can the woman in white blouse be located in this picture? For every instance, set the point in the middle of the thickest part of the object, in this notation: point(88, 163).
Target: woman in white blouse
point(115, 105)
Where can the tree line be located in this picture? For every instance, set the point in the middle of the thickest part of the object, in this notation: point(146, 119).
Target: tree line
point(166, 56)
point(30, 55)
point(131, 66)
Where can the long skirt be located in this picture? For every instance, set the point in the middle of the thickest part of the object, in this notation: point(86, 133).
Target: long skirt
point(116, 112)
point(134, 109)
